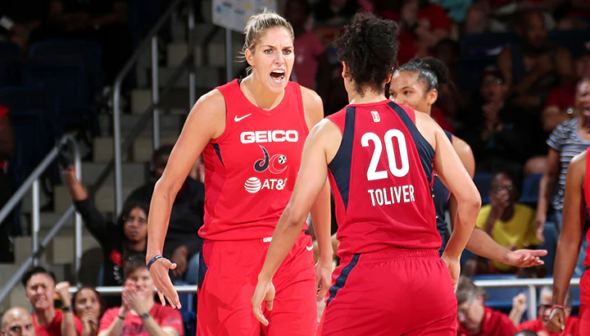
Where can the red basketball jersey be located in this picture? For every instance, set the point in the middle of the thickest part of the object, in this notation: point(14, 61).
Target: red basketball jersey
point(381, 178)
point(587, 199)
point(250, 170)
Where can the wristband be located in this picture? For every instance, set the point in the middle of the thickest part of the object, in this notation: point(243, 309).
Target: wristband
point(557, 307)
point(121, 317)
point(144, 316)
point(66, 309)
point(159, 256)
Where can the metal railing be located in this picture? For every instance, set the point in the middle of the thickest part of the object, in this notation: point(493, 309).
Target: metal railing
point(32, 182)
point(530, 284)
point(151, 41)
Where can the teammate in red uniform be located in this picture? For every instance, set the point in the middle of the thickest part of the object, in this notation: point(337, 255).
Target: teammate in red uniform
point(577, 199)
point(381, 159)
point(251, 133)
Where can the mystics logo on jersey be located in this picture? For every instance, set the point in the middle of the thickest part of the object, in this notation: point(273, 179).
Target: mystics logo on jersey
point(275, 164)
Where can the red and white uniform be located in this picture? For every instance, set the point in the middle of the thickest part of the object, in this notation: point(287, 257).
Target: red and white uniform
point(585, 281)
point(381, 178)
point(250, 174)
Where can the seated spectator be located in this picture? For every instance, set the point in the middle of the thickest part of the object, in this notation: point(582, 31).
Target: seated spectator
point(121, 241)
point(140, 314)
point(311, 57)
point(89, 307)
point(527, 333)
point(183, 244)
point(17, 322)
point(475, 319)
point(534, 66)
point(510, 224)
point(18, 18)
point(497, 132)
point(7, 149)
point(545, 303)
point(422, 24)
point(560, 103)
point(41, 291)
point(567, 140)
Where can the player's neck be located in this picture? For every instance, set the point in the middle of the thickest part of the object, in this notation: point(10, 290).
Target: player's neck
point(45, 317)
point(259, 95)
point(368, 97)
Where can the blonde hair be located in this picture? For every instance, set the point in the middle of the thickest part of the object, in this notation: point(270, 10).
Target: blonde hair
point(258, 24)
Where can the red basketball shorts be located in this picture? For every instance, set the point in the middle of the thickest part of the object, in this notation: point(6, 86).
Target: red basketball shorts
point(227, 283)
point(390, 293)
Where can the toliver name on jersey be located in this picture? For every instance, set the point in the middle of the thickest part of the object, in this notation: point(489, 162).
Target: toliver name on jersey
point(392, 195)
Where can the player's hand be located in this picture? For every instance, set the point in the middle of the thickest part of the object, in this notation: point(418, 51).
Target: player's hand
point(525, 258)
point(265, 291)
point(556, 321)
point(160, 272)
point(454, 267)
point(519, 303)
point(323, 276)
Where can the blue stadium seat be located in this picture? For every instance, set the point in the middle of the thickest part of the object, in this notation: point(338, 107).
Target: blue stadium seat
point(67, 81)
point(10, 55)
point(86, 51)
point(486, 46)
point(482, 182)
point(550, 244)
point(500, 298)
point(530, 189)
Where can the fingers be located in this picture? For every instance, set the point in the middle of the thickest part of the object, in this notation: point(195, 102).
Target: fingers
point(269, 305)
point(538, 253)
point(162, 300)
point(259, 316)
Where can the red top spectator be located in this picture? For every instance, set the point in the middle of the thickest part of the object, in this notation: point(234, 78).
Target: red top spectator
point(167, 318)
point(572, 324)
point(54, 327)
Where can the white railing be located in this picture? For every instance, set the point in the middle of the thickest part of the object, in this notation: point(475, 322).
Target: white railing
point(530, 284)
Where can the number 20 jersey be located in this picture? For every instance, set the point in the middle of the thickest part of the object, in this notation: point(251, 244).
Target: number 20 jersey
point(381, 179)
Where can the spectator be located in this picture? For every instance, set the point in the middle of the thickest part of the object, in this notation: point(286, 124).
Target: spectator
point(140, 314)
point(559, 105)
point(182, 243)
point(41, 291)
point(519, 306)
point(7, 148)
point(526, 333)
point(121, 241)
point(510, 224)
point(475, 319)
point(498, 134)
point(89, 307)
point(18, 18)
point(532, 69)
point(422, 25)
point(311, 54)
point(17, 322)
point(567, 140)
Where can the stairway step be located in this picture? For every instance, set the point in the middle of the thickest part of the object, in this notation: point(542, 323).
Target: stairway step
point(104, 198)
point(169, 124)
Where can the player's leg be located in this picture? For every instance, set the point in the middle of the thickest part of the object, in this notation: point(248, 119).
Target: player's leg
point(367, 297)
point(434, 304)
point(229, 271)
point(295, 306)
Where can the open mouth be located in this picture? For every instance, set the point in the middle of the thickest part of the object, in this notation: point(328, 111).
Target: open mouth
point(278, 76)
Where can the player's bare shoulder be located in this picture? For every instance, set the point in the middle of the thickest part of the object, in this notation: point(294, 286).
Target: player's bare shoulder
point(428, 128)
point(209, 111)
point(312, 105)
point(577, 167)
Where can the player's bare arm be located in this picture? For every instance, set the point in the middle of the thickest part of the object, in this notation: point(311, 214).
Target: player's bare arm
point(320, 211)
point(570, 239)
point(320, 148)
point(455, 177)
point(206, 121)
point(480, 243)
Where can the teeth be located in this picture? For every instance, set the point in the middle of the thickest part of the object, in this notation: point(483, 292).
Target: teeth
point(279, 72)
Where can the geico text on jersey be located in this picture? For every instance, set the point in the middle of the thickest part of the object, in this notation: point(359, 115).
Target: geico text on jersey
point(269, 136)
point(392, 195)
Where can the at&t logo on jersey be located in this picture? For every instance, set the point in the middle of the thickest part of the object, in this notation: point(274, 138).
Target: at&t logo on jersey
point(253, 184)
point(275, 164)
point(269, 136)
